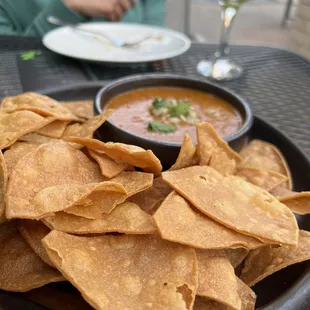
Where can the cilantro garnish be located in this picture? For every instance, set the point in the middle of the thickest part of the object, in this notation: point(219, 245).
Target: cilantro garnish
point(158, 126)
point(159, 103)
point(182, 108)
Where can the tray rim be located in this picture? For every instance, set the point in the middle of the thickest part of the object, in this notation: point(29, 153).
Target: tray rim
point(289, 300)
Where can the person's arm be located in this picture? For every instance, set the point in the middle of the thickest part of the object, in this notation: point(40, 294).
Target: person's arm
point(6, 24)
point(154, 12)
point(57, 8)
point(10, 23)
point(26, 17)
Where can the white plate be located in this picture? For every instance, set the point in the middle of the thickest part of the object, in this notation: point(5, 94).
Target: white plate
point(69, 42)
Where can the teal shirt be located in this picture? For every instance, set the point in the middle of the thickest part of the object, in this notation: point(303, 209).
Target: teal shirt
point(28, 17)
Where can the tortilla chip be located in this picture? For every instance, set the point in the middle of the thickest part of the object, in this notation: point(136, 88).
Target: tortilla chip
point(109, 168)
point(265, 156)
point(214, 151)
point(178, 222)
point(21, 269)
point(16, 152)
point(144, 271)
point(54, 129)
point(36, 139)
point(204, 147)
point(235, 203)
point(202, 303)
point(124, 153)
point(134, 182)
point(33, 232)
point(261, 263)
point(236, 256)
point(298, 202)
point(99, 203)
point(3, 183)
point(48, 165)
point(262, 178)
point(150, 199)
point(61, 197)
point(56, 299)
point(126, 218)
point(37, 103)
point(247, 296)
point(15, 125)
point(187, 156)
point(82, 109)
point(280, 192)
point(87, 129)
point(216, 278)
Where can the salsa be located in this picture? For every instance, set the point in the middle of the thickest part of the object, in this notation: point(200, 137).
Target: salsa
point(166, 114)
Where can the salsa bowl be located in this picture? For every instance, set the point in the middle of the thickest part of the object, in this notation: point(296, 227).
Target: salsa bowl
point(123, 94)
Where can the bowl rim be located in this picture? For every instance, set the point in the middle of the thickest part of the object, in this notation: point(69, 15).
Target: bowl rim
point(247, 122)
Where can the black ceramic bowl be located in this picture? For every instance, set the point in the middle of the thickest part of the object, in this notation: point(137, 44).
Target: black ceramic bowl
point(167, 152)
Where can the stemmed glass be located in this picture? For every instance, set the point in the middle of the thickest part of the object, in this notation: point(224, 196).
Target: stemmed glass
point(221, 67)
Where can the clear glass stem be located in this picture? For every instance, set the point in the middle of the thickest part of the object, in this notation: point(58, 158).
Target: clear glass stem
point(220, 67)
point(228, 15)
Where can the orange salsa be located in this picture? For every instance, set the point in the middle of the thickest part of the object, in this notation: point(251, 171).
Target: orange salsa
point(166, 114)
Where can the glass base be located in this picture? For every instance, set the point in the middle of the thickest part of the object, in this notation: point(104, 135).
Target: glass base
point(219, 69)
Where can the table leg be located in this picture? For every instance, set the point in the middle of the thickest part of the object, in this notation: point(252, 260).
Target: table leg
point(287, 12)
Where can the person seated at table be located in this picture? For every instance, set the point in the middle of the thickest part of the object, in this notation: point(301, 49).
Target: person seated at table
point(28, 17)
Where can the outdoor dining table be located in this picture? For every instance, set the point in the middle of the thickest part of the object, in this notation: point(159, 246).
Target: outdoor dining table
point(276, 82)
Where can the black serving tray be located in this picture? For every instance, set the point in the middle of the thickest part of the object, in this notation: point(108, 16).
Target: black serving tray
point(288, 289)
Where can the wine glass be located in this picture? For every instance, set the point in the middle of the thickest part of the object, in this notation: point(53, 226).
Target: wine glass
point(220, 66)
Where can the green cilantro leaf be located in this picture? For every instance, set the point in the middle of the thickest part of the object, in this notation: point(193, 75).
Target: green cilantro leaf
point(158, 126)
point(29, 55)
point(182, 108)
point(160, 103)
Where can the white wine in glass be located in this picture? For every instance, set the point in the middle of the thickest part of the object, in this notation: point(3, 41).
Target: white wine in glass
point(220, 67)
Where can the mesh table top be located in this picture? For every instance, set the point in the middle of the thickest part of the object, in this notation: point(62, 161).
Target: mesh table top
point(276, 83)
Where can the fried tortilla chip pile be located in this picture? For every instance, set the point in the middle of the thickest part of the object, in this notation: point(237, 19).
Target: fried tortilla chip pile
point(104, 217)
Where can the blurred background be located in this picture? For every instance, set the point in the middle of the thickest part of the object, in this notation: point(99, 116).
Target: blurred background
point(279, 23)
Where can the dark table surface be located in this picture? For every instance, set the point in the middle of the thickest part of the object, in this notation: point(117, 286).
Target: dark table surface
point(276, 83)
